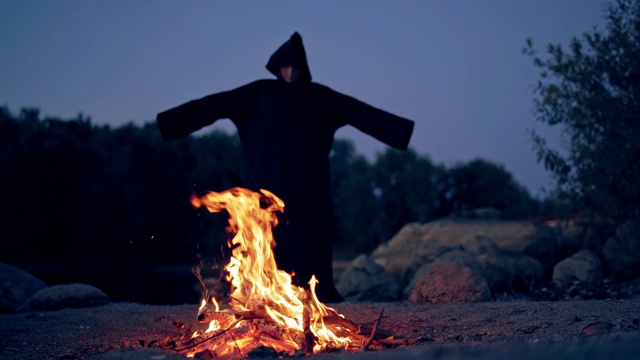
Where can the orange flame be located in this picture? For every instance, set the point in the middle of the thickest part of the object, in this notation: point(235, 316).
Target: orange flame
point(257, 285)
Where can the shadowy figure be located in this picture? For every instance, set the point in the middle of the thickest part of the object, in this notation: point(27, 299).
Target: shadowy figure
point(286, 128)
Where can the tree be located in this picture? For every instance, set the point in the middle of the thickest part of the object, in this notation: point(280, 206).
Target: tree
point(479, 184)
point(219, 161)
point(357, 209)
point(592, 91)
point(406, 186)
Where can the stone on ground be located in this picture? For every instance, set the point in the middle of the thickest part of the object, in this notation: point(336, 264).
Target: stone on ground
point(583, 266)
point(65, 296)
point(450, 283)
point(16, 287)
point(363, 279)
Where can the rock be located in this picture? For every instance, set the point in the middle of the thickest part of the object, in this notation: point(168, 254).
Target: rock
point(406, 292)
point(418, 244)
point(363, 279)
point(450, 283)
point(631, 289)
point(575, 235)
point(507, 271)
point(65, 296)
point(409, 249)
point(583, 266)
point(622, 252)
point(16, 287)
point(459, 257)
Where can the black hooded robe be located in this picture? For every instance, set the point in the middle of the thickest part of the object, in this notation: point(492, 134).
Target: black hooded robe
point(286, 131)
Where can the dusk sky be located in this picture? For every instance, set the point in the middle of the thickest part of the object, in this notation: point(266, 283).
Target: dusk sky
point(454, 67)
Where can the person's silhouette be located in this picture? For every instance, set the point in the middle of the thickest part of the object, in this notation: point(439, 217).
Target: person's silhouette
point(286, 128)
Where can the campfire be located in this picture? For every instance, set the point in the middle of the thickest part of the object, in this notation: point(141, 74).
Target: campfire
point(264, 309)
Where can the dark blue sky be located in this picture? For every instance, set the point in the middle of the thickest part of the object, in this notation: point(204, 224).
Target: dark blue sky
point(453, 66)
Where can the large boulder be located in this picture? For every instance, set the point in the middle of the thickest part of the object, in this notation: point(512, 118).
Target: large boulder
point(408, 250)
point(418, 244)
point(449, 282)
point(583, 266)
point(65, 296)
point(363, 279)
point(622, 252)
point(16, 287)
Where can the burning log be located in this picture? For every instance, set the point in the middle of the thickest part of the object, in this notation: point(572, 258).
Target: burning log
point(309, 338)
point(259, 331)
point(364, 329)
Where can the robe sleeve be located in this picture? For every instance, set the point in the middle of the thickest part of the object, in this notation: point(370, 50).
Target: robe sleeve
point(184, 119)
point(392, 130)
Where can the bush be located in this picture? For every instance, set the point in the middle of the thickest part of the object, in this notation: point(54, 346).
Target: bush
point(592, 91)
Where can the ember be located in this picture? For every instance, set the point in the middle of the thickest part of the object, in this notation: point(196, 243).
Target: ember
point(264, 308)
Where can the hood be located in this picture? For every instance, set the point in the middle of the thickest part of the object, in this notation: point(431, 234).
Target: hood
point(291, 53)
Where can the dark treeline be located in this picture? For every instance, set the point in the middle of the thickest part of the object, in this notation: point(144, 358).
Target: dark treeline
point(375, 200)
point(86, 196)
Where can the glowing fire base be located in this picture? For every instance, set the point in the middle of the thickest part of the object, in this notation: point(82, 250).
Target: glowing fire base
point(265, 309)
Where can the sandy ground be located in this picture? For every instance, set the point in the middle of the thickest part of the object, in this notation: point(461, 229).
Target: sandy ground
point(491, 330)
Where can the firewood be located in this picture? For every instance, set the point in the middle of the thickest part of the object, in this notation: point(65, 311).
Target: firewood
point(373, 332)
point(278, 344)
point(258, 329)
point(334, 319)
point(396, 342)
point(364, 329)
point(187, 345)
point(221, 316)
point(381, 332)
point(309, 338)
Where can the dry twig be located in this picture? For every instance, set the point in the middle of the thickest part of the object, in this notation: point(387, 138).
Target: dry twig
point(373, 332)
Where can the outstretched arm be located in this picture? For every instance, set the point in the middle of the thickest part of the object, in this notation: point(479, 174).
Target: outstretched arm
point(392, 130)
point(184, 119)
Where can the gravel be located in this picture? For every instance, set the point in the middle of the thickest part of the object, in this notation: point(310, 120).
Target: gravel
point(591, 329)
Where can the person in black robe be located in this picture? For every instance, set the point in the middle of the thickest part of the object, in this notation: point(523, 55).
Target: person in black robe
point(286, 128)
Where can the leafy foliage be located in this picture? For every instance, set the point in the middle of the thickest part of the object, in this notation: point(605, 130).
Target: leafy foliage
point(480, 183)
point(406, 187)
point(592, 91)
